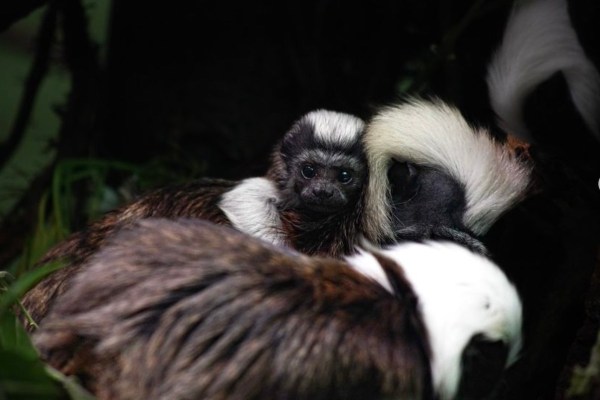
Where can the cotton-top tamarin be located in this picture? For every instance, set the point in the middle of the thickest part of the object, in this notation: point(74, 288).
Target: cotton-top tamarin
point(183, 309)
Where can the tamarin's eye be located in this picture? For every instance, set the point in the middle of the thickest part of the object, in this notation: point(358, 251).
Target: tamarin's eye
point(308, 171)
point(344, 176)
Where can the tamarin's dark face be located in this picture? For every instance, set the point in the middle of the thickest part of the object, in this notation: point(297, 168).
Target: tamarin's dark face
point(424, 195)
point(324, 162)
point(326, 182)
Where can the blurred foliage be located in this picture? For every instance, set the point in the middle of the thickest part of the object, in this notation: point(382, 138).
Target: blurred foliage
point(89, 184)
point(22, 374)
point(57, 207)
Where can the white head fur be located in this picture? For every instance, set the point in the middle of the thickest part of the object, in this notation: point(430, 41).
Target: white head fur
point(335, 128)
point(460, 294)
point(251, 206)
point(539, 41)
point(435, 134)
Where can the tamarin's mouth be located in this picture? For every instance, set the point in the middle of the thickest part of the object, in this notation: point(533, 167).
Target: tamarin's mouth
point(320, 206)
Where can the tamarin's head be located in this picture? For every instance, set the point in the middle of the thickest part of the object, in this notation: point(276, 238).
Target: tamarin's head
point(319, 165)
point(428, 165)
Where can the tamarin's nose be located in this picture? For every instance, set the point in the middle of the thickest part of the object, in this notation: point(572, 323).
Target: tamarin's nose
point(323, 192)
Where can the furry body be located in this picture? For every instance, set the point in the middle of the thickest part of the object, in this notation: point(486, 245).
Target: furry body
point(196, 199)
point(185, 309)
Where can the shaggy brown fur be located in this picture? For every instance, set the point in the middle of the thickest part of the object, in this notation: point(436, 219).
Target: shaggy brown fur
point(189, 310)
point(197, 199)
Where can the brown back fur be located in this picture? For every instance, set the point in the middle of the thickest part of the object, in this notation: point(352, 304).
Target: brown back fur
point(187, 309)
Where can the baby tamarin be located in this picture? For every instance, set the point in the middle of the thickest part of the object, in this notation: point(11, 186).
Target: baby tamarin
point(320, 171)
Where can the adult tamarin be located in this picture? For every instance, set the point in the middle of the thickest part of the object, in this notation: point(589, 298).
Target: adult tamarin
point(309, 200)
point(183, 309)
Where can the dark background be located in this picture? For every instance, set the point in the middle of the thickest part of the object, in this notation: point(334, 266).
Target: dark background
point(204, 88)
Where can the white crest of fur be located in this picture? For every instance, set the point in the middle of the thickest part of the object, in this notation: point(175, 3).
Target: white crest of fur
point(251, 206)
point(436, 135)
point(539, 41)
point(461, 294)
point(335, 128)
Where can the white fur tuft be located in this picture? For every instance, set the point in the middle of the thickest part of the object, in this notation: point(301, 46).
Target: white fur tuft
point(539, 41)
point(436, 135)
point(251, 206)
point(365, 263)
point(334, 128)
point(461, 294)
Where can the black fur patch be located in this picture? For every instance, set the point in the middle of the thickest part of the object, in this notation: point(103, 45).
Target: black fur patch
point(425, 194)
point(483, 363)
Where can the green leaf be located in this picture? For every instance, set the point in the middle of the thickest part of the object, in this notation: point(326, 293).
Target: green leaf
point(14, 338)
point(23, 377)
point(70, 384)
point(22, 374)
